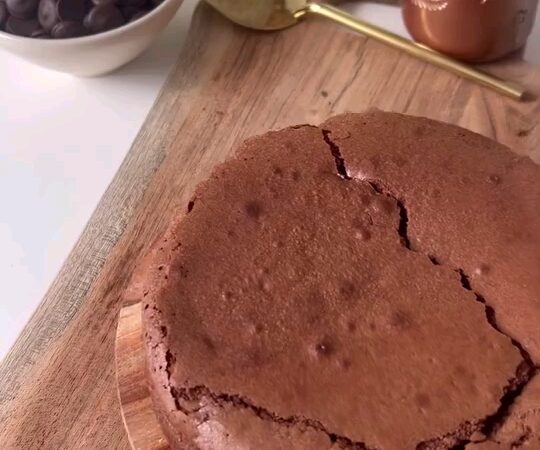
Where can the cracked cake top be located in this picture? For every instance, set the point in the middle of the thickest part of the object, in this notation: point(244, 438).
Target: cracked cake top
point(349, 286)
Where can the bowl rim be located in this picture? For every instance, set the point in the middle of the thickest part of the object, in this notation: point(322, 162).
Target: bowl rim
point(4, 35)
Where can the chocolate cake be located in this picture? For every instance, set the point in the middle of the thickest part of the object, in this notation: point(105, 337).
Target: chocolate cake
point(372, 283)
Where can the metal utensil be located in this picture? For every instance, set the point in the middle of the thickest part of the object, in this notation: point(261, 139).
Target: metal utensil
point(278, 14)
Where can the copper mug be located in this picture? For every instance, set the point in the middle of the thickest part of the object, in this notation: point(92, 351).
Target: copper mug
point(471, 30)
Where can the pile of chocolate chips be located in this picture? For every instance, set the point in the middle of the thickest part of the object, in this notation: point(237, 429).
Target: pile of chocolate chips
point(61, 19)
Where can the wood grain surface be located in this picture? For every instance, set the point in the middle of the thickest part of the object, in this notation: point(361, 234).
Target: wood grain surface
point(57, 384)
point(142, 426)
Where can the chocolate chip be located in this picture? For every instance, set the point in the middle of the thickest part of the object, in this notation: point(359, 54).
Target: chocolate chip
point(40, 34)
point(71, 10)
point(22, 27)
point(22, 9)
point(65, 30)
point(138, 15)
point(3, 15)
point(63, 19)
point(131, 11)
point(103, 18)
point(138, 3)
point(47, 14)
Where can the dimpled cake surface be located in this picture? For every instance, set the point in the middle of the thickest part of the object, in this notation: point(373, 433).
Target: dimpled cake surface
point(371, 283)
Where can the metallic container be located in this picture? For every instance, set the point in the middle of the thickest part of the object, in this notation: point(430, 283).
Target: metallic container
point(471, 30)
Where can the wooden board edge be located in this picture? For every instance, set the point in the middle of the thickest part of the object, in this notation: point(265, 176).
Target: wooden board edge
point(141, 424)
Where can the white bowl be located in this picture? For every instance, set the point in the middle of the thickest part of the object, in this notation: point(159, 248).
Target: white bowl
point(96, 54)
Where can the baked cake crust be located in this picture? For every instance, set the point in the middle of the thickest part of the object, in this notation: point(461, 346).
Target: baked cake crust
point(348, 286)
point(474, 206)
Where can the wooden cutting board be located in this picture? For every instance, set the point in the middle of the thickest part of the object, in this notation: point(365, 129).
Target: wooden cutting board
point(57, 385)
point(142, 426)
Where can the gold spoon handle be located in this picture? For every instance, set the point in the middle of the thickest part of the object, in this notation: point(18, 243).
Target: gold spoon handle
point(415, 49)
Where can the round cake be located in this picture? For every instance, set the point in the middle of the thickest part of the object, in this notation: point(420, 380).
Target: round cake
point(371, 283)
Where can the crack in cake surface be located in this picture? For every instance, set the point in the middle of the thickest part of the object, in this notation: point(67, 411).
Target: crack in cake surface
point(336, 153)
point(491, 317)
point(453, 440)
point(198, 394)
point(524, 372)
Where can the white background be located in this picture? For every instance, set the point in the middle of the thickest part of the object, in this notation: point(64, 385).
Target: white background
point(61, 142)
